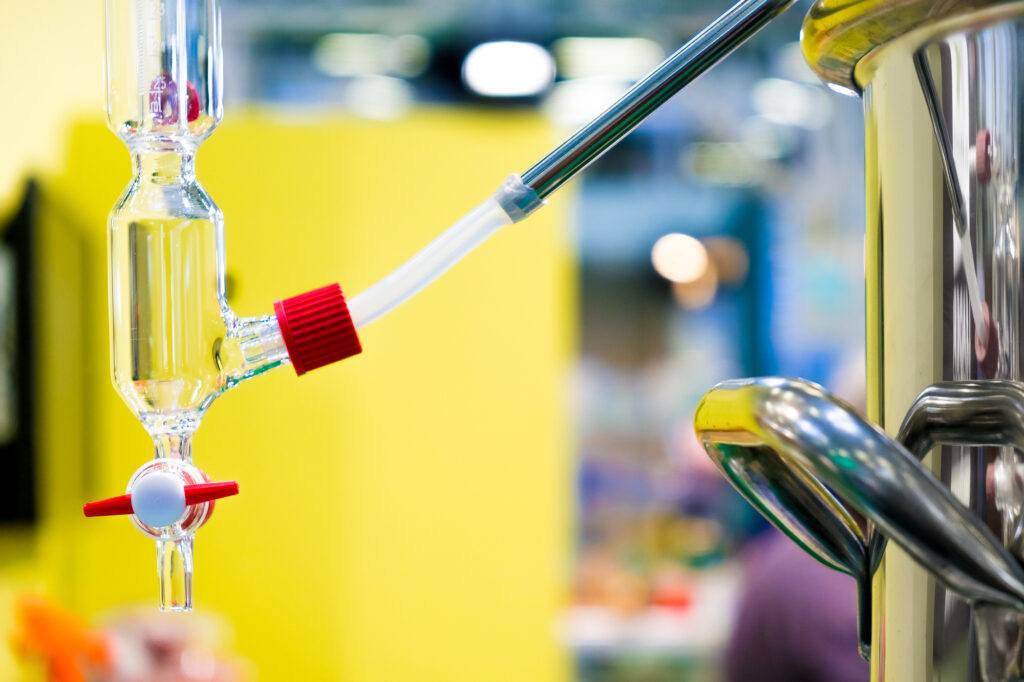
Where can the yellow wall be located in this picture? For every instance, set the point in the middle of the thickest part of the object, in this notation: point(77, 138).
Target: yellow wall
point(404, 515)
point(51, 68)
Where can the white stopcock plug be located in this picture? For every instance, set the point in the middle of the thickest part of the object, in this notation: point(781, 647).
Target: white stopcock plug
point(158, 499)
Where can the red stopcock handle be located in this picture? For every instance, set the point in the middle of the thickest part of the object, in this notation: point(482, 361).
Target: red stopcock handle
point(195, 493)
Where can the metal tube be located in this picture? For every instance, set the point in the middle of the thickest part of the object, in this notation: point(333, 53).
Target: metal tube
point(701, 52)
point(965, 414)
point(823, 441)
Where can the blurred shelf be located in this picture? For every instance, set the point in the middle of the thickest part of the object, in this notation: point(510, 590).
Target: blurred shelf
point(698, 632)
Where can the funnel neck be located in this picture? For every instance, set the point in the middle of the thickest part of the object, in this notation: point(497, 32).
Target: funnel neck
point(173, 446)
point(164, 163)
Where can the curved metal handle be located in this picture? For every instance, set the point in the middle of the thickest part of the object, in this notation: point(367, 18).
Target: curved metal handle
point(803, 509)
point(969, 413)
point(798, 505)
point(819, 437)
point(963, 413)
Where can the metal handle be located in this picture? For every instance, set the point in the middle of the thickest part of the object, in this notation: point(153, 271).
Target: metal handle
point(801, 507)
point(818, 437)
point(798, 504)
point(963, 413)
point(968, 413)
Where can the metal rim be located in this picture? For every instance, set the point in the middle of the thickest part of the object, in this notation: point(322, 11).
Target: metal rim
point(838, 34)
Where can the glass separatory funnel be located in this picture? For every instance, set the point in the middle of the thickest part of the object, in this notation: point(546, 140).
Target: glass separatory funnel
point(175, 343)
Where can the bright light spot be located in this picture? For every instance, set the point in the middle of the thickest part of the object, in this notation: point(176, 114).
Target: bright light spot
point(698, 294)
point(679, 258)
point(723, 163)
point(379, 98)
point(793, 104)
point(794, 66)
point(367, 54)
point(839, 89)
point(573, 103)
point(508, 69)
point(626, 59)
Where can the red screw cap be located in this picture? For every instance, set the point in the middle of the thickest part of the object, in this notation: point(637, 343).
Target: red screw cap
point(317, 328)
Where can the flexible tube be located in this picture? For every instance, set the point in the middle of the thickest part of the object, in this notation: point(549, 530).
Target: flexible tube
point(436, 258)
point(511, 203)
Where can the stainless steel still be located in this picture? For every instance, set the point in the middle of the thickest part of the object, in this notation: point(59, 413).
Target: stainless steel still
point(943, 91)
point(943, 109)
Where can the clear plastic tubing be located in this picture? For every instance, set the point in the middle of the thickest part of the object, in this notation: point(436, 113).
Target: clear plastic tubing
point(441, 254)
point(520, 196)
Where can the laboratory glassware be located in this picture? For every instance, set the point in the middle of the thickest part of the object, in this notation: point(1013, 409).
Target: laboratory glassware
point(176, 345)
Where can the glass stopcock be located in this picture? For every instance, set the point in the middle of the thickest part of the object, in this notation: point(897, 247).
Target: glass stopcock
point(168, 500)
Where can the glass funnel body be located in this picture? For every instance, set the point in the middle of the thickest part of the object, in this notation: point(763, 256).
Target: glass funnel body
point(175, 343)
point(169, 318)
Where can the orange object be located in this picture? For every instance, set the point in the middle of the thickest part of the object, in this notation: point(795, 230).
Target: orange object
point(68, 647)
point(678, 599)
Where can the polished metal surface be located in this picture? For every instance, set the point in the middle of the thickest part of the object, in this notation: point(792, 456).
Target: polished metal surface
point(701, 52)
point(785, 444)
point(800, 506)
point(980, 413)
point(828, 446)
point(967, 413)
point(944, 107)
point(837, 34)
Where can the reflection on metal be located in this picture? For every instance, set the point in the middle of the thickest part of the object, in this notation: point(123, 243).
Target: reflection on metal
point(943, 112)
point(932, 97)
point(700, 53)
point(795, 452)
point(838, 34)
point(981, 413)
point(965, 413)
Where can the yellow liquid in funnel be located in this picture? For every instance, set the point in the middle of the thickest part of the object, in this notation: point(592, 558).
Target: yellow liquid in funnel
point(167, 326)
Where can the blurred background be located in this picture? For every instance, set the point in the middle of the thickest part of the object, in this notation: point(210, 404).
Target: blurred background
point(505, 485)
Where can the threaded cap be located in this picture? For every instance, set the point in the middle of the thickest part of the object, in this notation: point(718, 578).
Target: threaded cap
point(317, 328)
